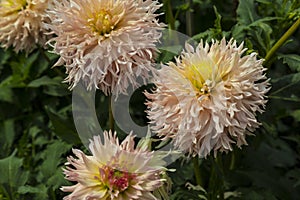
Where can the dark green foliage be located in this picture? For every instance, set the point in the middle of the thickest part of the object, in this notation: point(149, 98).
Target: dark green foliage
point(269, 167)
point(31, 153)
point(37, 130)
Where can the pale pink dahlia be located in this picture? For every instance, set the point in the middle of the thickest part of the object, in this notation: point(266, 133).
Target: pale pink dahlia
point(21, 24)
point(116, 170)
point(105, 43)
point(208, 99)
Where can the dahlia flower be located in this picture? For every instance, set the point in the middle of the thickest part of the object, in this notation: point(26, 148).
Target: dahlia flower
point(208, 98)
point(114, 171)
point(21, 24)
point(105, 43)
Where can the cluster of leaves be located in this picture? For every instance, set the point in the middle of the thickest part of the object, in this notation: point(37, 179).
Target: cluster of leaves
point(32, 151)
point(37, 131)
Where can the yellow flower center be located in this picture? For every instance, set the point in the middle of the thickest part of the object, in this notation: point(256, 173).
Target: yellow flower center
point(15, 4)
point(199, 75)
point(101, 23)
point(9, 7)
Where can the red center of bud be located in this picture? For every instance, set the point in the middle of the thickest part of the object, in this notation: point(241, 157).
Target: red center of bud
point(115, 179)
point(118, 180)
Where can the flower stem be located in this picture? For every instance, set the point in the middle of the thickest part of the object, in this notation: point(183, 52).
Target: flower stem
point(169, 14)
point(232, 161)
point(53, 195)
point(216, 179)
point(219, 163)
point(281, 41)
point(111, 122)
point(189, 19)
point(197, 171)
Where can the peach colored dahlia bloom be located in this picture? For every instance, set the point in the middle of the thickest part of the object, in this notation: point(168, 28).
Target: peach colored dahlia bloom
point(208, 99)
point(105, 43)
point(114, 171)
point(21, 24)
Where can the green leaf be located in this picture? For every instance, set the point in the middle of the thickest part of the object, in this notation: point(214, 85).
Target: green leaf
point(57, 90)
point(180, 177)
point(7, 134)
point(294, 174)
point(163, 192)
point(257, 29)
point(40, 65)
point(57, 180)
point(181, 194)
point(6, 94)
point(250, 24)
point(217, 23)
point(39, 191)
point(21, 67)
point(43, 81)
point(195, 187)
point(251, 194)
point(246, 13)
point(268, 2)
point(168, 52)
point(296, 115)
point(63, 127)
point(52, 157)
point(229, 194)
point(285, 82)
point(4, 56)
point(292, 60)
point(212, 33)
point(12, 173)
point(14, 81)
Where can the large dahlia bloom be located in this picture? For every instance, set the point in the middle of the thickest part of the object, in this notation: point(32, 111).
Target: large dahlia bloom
point(105, 43)
point(21, 24)
point(208, 98)
point(116, 170)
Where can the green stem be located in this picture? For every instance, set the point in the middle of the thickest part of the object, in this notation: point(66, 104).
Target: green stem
point(197, 171)
point(284, 98)
point(111, 121)
point(189, 19)
point(169, 14)
point(216, 179)
point(219, 162)
point(212, 181)
point(232, 161)
point(53, 195)
point(281, 41)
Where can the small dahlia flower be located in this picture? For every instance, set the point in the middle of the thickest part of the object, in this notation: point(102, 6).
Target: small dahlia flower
point(115, 170)
point(21, 24)
point(105, 43)
point(208, 98)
